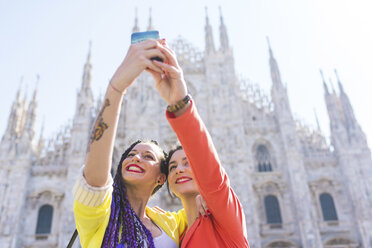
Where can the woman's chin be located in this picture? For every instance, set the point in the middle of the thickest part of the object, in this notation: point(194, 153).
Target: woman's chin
point(134, 178)
point(186, 192)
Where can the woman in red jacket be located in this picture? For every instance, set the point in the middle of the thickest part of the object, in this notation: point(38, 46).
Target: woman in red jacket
point(201, 171)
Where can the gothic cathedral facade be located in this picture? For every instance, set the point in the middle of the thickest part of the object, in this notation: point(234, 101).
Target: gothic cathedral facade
point(297, 190)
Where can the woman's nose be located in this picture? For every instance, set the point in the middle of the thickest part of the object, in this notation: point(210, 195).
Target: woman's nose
point(179, 169)
point(137, 158)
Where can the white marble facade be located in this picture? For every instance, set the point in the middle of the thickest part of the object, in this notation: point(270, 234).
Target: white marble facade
point(281, 169)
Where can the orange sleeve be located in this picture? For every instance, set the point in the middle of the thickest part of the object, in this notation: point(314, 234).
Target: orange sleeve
point(212, 180)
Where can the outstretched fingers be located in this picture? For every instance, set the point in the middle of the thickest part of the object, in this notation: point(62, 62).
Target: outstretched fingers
point(171, 70)
point(169, 54)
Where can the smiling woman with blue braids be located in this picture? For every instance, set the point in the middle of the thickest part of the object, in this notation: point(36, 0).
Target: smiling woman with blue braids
point(113, 212)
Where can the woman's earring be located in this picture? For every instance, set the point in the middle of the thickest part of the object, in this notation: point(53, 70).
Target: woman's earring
point(158, 181)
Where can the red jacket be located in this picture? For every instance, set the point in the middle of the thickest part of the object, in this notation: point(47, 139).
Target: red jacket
point(226, 226)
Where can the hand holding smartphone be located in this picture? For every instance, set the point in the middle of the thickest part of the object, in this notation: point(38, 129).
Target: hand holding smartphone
point(142, 36)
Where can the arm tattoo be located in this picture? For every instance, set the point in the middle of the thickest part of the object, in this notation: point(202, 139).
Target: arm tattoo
point(99, 126)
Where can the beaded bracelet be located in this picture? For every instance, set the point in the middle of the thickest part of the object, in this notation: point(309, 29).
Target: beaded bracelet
point(179, 105)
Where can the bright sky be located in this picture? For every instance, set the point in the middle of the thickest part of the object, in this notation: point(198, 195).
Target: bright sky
point(51, 38)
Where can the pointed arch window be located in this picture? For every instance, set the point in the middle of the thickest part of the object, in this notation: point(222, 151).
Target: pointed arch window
point(328, 207)
point(272, 210)
point(44, 220)
point(263, 159)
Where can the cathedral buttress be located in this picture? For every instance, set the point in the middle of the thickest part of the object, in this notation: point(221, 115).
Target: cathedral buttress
point(80, 131)
point(331, 101)
point(351, 148)
point(305, 211)
point(84, 110)
point(279, 93)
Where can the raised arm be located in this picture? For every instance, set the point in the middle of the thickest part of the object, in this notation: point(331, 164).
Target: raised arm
point(213, 182)
point(101, 141)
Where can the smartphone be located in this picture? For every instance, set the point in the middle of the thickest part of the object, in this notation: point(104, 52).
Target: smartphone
point(142, 36)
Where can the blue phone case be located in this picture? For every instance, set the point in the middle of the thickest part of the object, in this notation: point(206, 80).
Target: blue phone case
point(142, 36)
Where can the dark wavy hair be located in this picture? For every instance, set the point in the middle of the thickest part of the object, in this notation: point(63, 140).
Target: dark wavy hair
point(166, 167)
point(122, 215)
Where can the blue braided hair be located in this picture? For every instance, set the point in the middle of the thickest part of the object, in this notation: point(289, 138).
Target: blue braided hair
point(133, 233)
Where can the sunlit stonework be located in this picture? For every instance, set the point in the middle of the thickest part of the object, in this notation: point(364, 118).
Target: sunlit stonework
point(296, 188)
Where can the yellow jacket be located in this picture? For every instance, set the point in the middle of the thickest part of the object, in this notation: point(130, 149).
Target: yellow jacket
point(92, 208)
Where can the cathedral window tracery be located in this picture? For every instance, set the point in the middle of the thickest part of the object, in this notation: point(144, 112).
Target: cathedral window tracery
point(272, 210)
point(44, 220)
point(272, 226)
point(328, 207)
point(263, 159)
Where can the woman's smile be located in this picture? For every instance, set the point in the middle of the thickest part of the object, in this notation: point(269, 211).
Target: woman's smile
point(135, 168)
point(183, 180)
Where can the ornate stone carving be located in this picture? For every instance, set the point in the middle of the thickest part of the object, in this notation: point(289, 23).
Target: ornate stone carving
point(240, 117)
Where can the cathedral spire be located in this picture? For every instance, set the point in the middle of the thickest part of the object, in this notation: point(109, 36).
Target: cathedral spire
point(34, 97)
point(333, 106)
point(26, 90)
point(135, 27)
point(41, 143)
point(85, 94)
point(279, 93)
point(86, 83)
point(89, 52)
point(150, 27)
point(317, 120)
point(30, 116)
point(341, 88)
point(275, 73)
point(332, 87)
point(15, 115)
point(224, 40)
point(350, 120)
point(326, 91)
point(18, 95)
point(345, 129)
point(83, 113)
point(23, 118)
point(209, 43)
